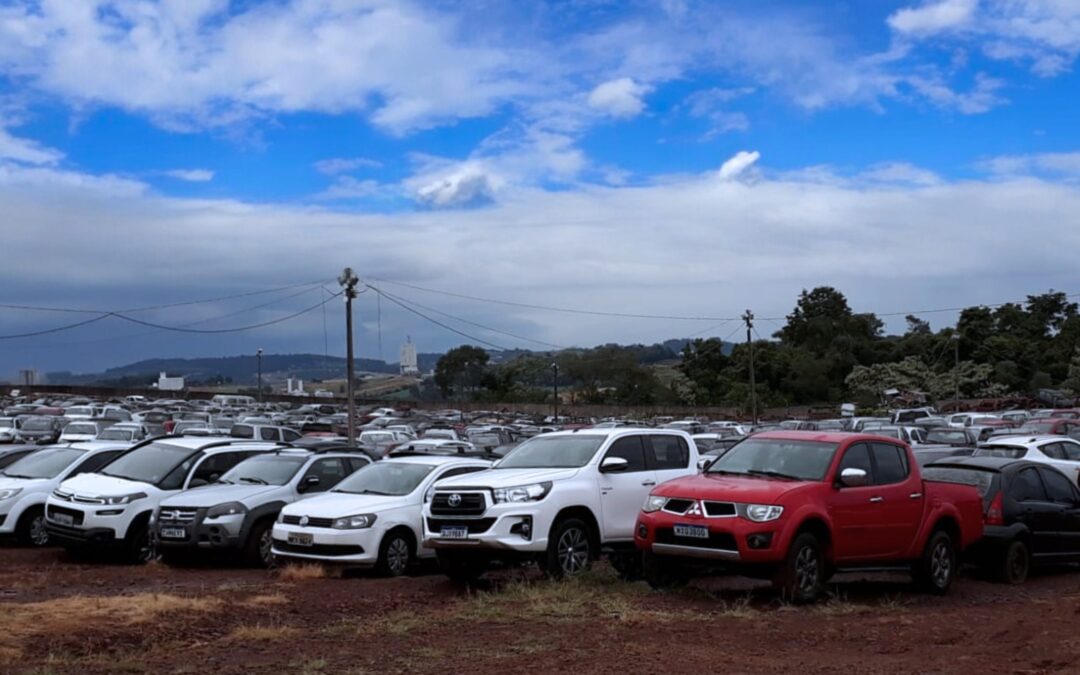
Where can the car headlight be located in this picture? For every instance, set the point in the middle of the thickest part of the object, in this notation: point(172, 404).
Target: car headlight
point(360, 522)
point(653, 503)
point(761, 513)
point(8, 494)
point(125, 499)
point(522, 493)
point(229, 509)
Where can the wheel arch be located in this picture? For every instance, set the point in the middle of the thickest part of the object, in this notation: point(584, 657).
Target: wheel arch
point(585, 514)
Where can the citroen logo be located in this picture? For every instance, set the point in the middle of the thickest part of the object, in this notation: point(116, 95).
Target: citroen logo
point(303, 521)
point(454, 500)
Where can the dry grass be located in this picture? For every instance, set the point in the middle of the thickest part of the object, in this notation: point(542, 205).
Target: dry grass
point(303, 572)
point(22, 622)
point(261, 633)
point(270, 600)
point(398, 623)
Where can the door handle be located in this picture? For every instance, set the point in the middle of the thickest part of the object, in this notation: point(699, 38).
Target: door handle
point(648, 482)
point(915, 495)
point(875, 500)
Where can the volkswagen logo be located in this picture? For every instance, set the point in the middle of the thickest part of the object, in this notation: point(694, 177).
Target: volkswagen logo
point(303, 521)
point(454, 500)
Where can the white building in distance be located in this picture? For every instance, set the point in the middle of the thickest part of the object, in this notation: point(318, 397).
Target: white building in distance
point(409, 364)
point(166, 383)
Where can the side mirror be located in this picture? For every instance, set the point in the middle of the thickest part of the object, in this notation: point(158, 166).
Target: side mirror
point(854, 478)
point(704, 463)
point(309, 483)
point(614, 465)
point(197, 482)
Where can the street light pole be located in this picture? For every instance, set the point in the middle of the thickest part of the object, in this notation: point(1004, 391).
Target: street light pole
point(555, 386)
point(348, 281)
point(258, 358)
point(749, 319)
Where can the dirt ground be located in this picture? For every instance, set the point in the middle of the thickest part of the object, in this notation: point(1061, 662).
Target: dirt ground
point(57, 616)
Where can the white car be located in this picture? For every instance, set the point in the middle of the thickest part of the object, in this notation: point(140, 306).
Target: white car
point(112, 508)
point(1061, 452)
point(26, 484)
point(556, 499)
point(9, 428)
point(372, 518)
point(130, 432)
point(79, 430)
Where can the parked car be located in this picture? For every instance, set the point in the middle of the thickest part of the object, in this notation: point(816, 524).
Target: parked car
point(264, 432)
point(1056, 426)
point(82, 430)
point(796, 506)
point(129, 432)
point(953, 437)
point(1057, 451)
point(44, 429)
point(384, 441)
point(714, 445)
point(9, 429)
point(1032, 512)
point(26, 484)
point(371, 519)
point(237, 512)
point(556, 499)
point(111, 509)
point(912, 435)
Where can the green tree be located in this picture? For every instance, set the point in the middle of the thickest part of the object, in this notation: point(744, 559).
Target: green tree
point(461, 370)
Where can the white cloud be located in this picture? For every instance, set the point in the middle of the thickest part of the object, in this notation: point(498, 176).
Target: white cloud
point(619, 98)
point(1064, 164)
point(336, 165)
point(737, 165)
point(13, 148)
point(190, 175)
point(934, 16)
point(348, 188)
point(902, 173)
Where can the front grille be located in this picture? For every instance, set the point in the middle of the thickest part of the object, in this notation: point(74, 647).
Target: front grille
point(318, 549)
point(474, 526)
point(62, 496)
point(472, 504)
point(77, 516)
point(87, 500)
point(311, 522)
point(177, 514)
point(717, 540)
point(678, 506)
point(719, 509)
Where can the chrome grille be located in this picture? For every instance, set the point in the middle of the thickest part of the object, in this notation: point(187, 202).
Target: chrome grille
point(678, 506)
point(719, 509)
point(177, 514)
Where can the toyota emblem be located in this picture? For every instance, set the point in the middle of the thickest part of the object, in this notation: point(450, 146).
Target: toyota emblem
point(303, 521)
point(454, 500)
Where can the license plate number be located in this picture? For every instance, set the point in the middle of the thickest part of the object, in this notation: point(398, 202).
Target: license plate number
point(692, 531)
point(299, 539)
point(454, 532)
point(173, 533)
point(63, 519)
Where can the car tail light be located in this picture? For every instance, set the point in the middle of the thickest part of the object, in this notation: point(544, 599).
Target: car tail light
point(995, 515)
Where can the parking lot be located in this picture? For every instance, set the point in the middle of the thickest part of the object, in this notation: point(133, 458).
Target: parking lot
point(63, 617)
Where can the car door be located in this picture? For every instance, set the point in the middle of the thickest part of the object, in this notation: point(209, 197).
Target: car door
point(323, 474)
point(1036, 511)
point(1057, 456)
point(856, 511)
point(1064, 494)
point(901, 494)
point(668, 455)
point(622, 493)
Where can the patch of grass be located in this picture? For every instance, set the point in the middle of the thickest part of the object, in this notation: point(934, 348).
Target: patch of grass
point(313, 666)
point(398, 623)
point(303, 572)
point(261, 633)
point(343, 628)
point(268, 600)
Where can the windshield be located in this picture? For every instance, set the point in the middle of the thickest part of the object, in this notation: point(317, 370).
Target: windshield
point(385, 478)
point(802, 460)
point(184, 426)
point(551, 452)
point(116, 435)
point(947, 437)
point(265, 470)
point(964, 475)
point(376, 438)
point(38, 424)
point(80, 429)
point(46, 463)
point(80, 411)
point(242, 431)
point(891, 433)
point(1003, 451)
point(1041, 427)
point(6, 422)
point(153, 463)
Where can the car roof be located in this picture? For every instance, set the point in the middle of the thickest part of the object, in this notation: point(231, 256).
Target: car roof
point(820, 436)
point(438, 460)
point(1031, 439)
point(617, 431)
point(217, 443)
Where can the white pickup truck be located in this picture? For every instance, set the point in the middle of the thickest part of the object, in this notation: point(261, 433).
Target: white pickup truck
point(558, 499)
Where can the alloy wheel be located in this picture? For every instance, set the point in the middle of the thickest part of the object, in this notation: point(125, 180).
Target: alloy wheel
point(39, 536)
point(807, 569)
point(941, 565)
point(266, 546)
point(397, 556)
point(573, 551)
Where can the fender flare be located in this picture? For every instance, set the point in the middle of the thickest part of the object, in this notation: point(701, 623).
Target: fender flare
point(258, 513)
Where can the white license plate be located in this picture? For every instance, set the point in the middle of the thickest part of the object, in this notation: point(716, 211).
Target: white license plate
point(173, 533)
point(692, 531)
point(63, 518)
point(454, 532)
point(300, 539)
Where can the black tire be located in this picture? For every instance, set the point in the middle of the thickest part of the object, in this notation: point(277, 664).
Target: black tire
point(30, 530)
point(570, 549)
point(461, 566)
point(1015, 563)
point(259, 544)
point(395, 554)
point(139, 547)
point(801, 577)
point(627, 564)
point(935, 570)
point(662, 572)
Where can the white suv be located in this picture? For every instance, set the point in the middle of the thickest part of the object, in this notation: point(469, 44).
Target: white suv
point(557, 499)
point(112, 508)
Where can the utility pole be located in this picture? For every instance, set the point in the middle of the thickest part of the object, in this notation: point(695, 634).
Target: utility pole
point(748, 317)
point(258, 358)
point(348, 281)
point(555, 386)
point(956, 370)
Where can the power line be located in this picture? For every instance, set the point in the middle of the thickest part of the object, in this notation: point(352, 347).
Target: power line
point(218, 331)
point(55, 330)
point(441, 324)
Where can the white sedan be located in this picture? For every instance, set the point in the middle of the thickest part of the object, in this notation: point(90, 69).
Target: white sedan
point(1061, 452)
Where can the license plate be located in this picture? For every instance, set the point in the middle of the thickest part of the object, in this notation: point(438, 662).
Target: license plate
point(300, 539)
point(173, 533)
point(454, 532)
point(692, 531)
point(63, 519)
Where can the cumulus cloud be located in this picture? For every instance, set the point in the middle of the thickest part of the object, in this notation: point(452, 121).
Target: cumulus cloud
point(934, 16)
point(737, 165)
point(902, 173)
point(190, 175)
point(336, 165)
point(13, 148)
point(1065, 164)
point(619, 98)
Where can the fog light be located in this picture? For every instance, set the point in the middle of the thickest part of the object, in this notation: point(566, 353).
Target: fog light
point(110, 512)
point(759, 541)
point(643, 531)
point(523, 528)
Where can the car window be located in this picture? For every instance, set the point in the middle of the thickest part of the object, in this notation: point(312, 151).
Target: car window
point(1071, 450)
point(92, 464)
point(669, 452)
point(858, 457)
point(890, 463)
point(268, 434)
point(358, 462)
point(1058, 487)
point(1053, 450)
point(329, 470)
point(631, 449)
point(291, 435)
point(215, 466)
point(1027, 486)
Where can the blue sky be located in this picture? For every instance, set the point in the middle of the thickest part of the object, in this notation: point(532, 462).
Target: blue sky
point(665, 157)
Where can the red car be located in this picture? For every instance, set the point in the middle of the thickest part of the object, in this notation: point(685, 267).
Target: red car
point(796, 506)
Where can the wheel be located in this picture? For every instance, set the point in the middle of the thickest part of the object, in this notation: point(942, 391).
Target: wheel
point(934, 572)
point(662, 572)
point(1014, 564)
point(801, 578)
point(258, 549)
point(461, 566)
point(626, 564)
point(30, 529)
point(140, 548)
point(395, 554)
point(569, 550)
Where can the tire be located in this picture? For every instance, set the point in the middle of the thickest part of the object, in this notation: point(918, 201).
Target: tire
point(461, 566)
point(801, 577)
point(1015, 563)
point(139, 548)
point(259, 545)
point(627, 565)
point(935, 570)
point(395, 554)
point(662, 572)
point(30, 530)
point(570, 549)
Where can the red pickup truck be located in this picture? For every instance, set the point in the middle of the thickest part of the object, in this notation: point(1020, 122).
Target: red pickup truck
point(796, 506)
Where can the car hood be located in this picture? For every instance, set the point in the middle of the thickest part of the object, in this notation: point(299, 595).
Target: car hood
point(212, 495)
point(504, 478)
point(339, 505)
point(718, 487)
point(23, 483)
point(97, 485)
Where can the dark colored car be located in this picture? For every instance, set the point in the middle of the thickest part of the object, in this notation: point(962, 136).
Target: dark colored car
point(41, 429)
point(1031, 512)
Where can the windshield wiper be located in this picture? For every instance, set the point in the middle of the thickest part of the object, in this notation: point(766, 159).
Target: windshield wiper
point(726, 472)
point(15, 475)
point(258, 481)
point(222, 481)
point(375, 492)
point(772, 474)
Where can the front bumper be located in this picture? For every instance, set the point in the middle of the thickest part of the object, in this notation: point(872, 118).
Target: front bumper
point(359, 548)
point(521, 527)
point(96, 523)
point(732, 539)
point(198, 531)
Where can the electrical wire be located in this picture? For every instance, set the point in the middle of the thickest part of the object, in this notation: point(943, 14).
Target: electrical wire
point(237, 329)
point(55, 330)
point(443, 325)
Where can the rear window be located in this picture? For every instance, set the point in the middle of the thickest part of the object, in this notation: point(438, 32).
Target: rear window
point(1002, 451)
point(964, 476)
